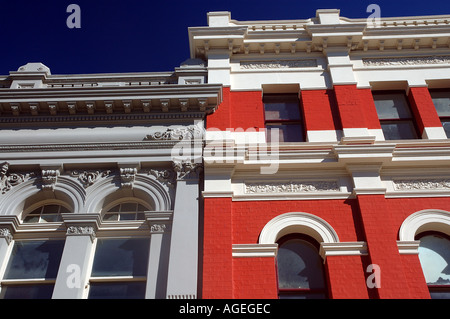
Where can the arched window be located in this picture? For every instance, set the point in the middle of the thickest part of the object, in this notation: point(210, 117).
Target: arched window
point(45, 214)
point(127, 210)
point(300, 268)
point(434, 255)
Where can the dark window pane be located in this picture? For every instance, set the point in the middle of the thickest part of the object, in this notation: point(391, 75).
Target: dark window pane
point(392, 106)
point(31, 219)
point(115, 209)
point(440, 294)
point(121, 257)
point(128, 216)
point(305, 295)
point(47, 218)
point(434, 255)
point(398, 130)
point(34, 259)
point(299, 265)
point(43, 291)
point(282, 107)
point(441, 101)
point(111, 217)
point(118, 290)
point(446, 125)
point(51, 209)
point(285, 133)
point(128, 207)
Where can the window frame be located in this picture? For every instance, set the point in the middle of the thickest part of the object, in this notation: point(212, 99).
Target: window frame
point(444, 118)
point(302, 291)
point(434, 288)
point(121, 201)
point(4, 282)
point(116, 279)
point(285, 122)
point(411, 120)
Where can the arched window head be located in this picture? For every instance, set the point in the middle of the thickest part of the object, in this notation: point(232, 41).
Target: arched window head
point(434, 255)
point(47, 213)
point(300, 268)
point(126, 210)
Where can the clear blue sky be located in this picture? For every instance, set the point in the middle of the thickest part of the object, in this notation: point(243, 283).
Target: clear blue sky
point(146, 36)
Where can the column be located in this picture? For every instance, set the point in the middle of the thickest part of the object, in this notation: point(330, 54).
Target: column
point(183, 259)
point(74, 269)
point(160, 229)
point(8, 226)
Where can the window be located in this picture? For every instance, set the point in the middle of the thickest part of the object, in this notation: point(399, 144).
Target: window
point(46, 214)
point(282, 112)
point(300, 268)
point(120, 268)
point(31, 270)
point(434, 255)
point(441, 100)
point(125, 211)
point(395, 115)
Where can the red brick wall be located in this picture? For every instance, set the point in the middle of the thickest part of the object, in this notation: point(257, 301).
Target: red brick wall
point(319, 109)
point(423, 108)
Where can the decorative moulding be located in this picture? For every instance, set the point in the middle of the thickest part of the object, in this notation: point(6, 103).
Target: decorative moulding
point(184, 133)
point(254, 250)
point(343, 249)
point(439, 59)
point(278, 64)
point(422, 184)
point(9, 180)
point(291, 187)
point(88, 178)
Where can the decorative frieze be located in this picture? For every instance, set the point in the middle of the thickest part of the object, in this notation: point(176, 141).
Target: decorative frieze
point(170, 134)
point(291, 187)
point(49, 178)
point(127, 176)
point(159, 228)
point(88, 178)
point(164, 176)
point(80, 230)
point(278, 64)
point(7, 181)
point(6, 233)
point(422, 184)
point(442, 59)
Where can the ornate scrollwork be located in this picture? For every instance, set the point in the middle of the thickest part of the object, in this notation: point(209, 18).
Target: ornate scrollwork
point(7, 181)
point(88, 178)
point(176, 134)
point(187, 169)
point(291, 187)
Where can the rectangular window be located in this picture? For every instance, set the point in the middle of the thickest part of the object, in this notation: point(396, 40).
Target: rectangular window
point(31, 270)
point(283, 116)
point(120, 268)
point(441, 100)
point(395, 115)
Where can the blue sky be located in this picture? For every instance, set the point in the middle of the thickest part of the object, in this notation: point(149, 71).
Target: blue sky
point(146, 36)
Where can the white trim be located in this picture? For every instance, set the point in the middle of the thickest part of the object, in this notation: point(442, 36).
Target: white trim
point(358, 248)
point(408, 247)
point(254, 250)
point(303, 223)
point(434, 133)
point(424, 220)
point(322, 136)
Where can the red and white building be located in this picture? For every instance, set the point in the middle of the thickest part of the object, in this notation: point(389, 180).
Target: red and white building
point(354, 200)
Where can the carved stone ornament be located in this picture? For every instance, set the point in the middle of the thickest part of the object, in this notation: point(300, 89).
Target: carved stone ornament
point(187, 169)
point(418, 184)
point(88, 178)
point(49, 178)
point(406, 61)
point(159, 228)
point(127, 176)
point(177, 134)
point(80, 230)
point(7, 181)
point(6, 233)
point(279, 64)
point(164, 176)
point(292, 187)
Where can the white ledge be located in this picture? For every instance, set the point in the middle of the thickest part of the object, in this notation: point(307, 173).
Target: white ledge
point(254, 250)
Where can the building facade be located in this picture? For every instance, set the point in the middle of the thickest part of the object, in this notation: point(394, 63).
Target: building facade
point(100, 182)
point(285, 159)
point(327, 163)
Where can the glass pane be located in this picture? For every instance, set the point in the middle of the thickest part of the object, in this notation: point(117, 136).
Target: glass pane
point(446, 125)
point(434, 255)
point(119, 290)
point(441, 101)
point(392, 106)
point(299, 265)
point(111, 217)
point(285, 133)
point(34, 259)
point(51, 209)
point(31, 219)
point(128, 216)
point(282, 107)
point(50, 218)
point(128, 207)
point(121, 257)
point(140, 216)
point(115, 209)
point(63, 210)
point(141, 208)
point(43, 291)
point(440, 294)
point(398, 130)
